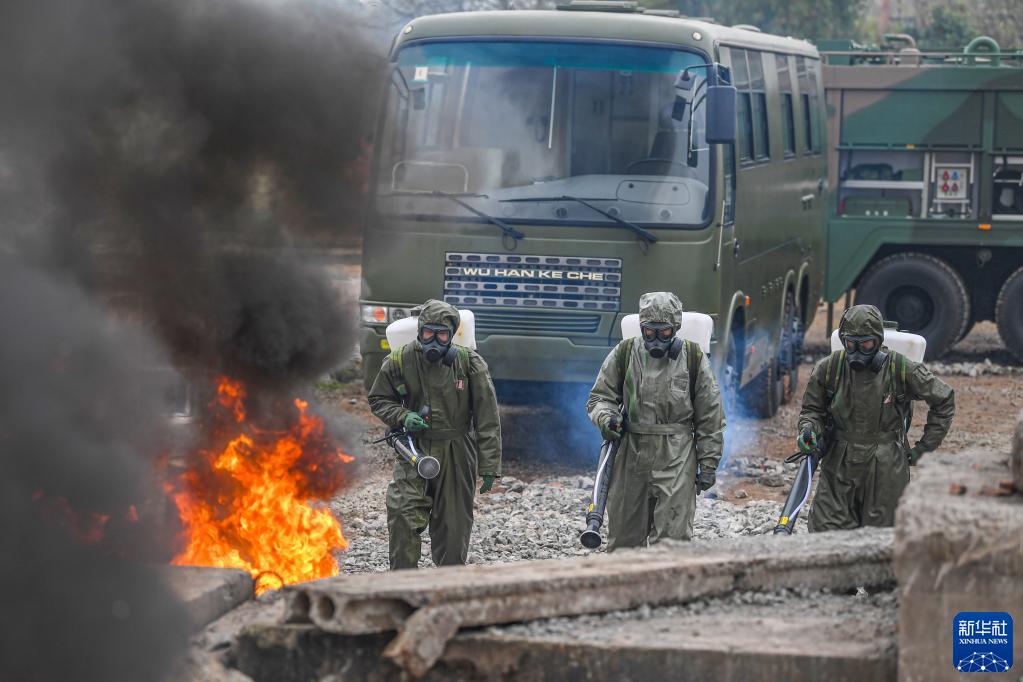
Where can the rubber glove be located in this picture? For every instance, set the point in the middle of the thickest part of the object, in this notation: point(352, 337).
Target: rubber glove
point(805, 447)
point(705, 480)
point(488, 483)
point(611, 427)
point(914, 455)
point(413, 423)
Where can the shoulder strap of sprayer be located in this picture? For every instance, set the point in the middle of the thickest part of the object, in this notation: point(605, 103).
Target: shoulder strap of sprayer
point(833, 370)
point(460, 364)
point(694, 355)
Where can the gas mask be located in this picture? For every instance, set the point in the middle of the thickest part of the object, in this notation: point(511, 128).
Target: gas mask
point(660, 340)
point(863, 352)
point(436, 342)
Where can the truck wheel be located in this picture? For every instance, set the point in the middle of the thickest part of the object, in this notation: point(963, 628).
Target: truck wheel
point(1009, 314)
point(923, 294)
point(763, 395)
point(790, 349)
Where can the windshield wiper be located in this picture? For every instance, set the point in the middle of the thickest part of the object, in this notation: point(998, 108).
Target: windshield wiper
point(508, 230)
point(647, 235)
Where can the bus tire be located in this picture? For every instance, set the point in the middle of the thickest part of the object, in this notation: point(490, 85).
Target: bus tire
point(923, 294)
point(790, 350)
point(762, 395)
point(1009, 314)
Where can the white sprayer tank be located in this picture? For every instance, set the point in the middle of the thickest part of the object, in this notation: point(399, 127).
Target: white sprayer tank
point(696, 327)
point(403, 331)
point(910, 345)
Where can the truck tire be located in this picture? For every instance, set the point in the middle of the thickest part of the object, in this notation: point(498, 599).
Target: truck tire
point(1009, 314)
point(923, 294)
point(762, 395)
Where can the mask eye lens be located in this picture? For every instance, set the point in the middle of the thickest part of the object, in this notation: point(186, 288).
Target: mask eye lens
point(444, 336)
point(649, 333)
point(850, 346)
point(426, 335)
point(666, 333)
point(867, 345)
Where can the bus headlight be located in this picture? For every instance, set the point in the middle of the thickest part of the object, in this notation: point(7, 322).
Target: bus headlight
point(375, 314)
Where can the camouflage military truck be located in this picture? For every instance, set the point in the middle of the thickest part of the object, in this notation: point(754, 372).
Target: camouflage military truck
point(927, 186)
point(545, 168)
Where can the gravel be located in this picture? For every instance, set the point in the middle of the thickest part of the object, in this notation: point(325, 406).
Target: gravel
point(519, 521)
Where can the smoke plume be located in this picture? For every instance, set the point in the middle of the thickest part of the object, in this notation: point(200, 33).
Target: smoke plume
point(164, 167)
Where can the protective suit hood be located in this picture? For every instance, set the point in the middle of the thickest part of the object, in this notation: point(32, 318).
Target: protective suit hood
point(862, 320)
point(438, 312)
point(661, 306)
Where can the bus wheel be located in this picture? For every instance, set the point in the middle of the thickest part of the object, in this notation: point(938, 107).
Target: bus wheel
point(1009, 314)
point(923, 294)
point(790, 350)
point(731, 376)
point(763, 395)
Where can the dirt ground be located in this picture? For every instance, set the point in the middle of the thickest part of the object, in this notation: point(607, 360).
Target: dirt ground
point(543, 441)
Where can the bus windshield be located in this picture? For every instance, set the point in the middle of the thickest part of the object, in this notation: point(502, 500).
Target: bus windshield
point(500, 123)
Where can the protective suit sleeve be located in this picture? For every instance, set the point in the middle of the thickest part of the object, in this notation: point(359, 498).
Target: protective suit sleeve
point(814, 413)
point(485, 415)
point(708, 417)
point(606, 394)
point(921, 384)
point(384, 399)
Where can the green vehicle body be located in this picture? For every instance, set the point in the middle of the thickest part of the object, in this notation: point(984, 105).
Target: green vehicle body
point(740, 262)
point(898, 120)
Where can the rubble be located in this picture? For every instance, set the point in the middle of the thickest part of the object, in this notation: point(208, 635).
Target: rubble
point(208, 593)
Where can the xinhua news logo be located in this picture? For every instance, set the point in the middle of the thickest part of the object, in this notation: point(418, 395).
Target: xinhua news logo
point(982, 642)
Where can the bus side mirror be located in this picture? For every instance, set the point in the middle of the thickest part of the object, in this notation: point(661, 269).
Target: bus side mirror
point(721, 114)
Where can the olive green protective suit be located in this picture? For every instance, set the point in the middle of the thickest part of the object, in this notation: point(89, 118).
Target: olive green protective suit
point(653, 484)
point(861, 414)
point(464, 435)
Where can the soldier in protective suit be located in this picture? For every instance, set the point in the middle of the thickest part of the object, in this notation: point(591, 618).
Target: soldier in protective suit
point(860, 400)
point(463, 432)
point(671, 434)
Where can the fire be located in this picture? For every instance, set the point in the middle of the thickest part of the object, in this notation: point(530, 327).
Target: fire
point(255, 500)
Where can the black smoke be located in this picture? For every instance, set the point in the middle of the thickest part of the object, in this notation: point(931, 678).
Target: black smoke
point(165, 168)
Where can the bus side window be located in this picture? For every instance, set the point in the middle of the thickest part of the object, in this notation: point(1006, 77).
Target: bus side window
point(758, 96)
point(807, 76)
point(740, 77)
point(788, 122)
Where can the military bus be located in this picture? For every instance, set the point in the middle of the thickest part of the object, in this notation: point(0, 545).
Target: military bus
point(926, 219)
point(545, 168)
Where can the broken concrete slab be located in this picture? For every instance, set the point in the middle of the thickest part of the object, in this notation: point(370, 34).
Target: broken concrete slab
point(955, 553)
point(208, 593)
point(793, 638)
point(429, 607)
point(1017, 455)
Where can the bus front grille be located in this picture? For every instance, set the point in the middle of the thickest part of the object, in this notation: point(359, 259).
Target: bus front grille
point(533, 282)
point(528, 321)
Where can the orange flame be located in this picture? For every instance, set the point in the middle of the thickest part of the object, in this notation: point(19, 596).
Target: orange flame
point(253, 503)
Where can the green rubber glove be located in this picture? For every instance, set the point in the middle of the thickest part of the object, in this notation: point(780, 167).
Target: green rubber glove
point(413, 423)
point(914, 455)
point(805, 447)
point(488, 483)
point(611, 427)
point(705, 480)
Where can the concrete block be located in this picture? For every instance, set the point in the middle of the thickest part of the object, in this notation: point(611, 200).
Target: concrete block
point(208, 593)
point(1017, 455)
point(956, 552)
point(816, 637)
point(429, 607)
